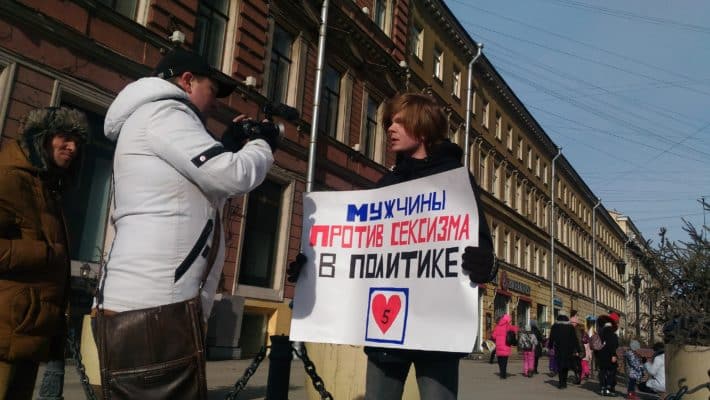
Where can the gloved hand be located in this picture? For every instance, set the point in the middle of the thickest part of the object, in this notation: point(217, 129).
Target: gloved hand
point(233, 138)
point(272, 137)
point(480, 264)
point(295, 267)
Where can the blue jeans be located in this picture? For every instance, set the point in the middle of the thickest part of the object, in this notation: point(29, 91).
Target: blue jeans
point(437, 380)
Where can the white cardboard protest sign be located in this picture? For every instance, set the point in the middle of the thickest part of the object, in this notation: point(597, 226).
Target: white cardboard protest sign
point(384, 266)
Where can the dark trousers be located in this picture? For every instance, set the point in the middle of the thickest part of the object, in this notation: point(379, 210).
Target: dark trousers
point(17, 379)
point(503, 366)
point(607, 378)
point(563, 377)
point(437, 379)
point(537, 358)
point(493, 356)
point(631, 386)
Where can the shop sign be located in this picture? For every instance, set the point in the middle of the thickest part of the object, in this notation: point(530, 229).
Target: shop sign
point(515, 286)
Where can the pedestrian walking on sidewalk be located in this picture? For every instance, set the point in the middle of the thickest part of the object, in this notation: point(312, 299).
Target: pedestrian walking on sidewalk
point(564, 341)
point(503, 343)
point(527, 343)
point(606, 356)
point(538, 347)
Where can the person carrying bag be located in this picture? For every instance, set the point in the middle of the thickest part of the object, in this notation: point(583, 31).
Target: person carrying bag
point(140, 361)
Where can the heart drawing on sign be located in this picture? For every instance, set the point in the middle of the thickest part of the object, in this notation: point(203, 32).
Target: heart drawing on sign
point(385, 311)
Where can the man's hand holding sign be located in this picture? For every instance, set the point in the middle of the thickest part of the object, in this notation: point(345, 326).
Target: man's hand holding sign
point(384, 266)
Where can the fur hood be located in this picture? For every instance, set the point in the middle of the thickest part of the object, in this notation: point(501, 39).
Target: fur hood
point(38, 128)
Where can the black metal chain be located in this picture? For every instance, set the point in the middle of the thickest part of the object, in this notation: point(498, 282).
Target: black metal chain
point(242, 382)
point(684, 389)
point(76, 355)
point(311, 371)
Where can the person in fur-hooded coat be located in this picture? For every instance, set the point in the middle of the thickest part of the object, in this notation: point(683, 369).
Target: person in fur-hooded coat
point(34, 259)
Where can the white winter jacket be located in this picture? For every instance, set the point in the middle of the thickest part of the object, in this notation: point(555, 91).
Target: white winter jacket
point(657, 370)
point(170, 176)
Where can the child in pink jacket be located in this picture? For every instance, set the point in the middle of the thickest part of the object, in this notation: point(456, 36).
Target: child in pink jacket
point(503, 349)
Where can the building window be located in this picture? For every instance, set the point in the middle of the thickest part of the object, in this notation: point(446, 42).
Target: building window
point(417, 41)
point(380, 14)
point(438, 64)
point(127, 8)
point(369, 140)
point(516, 253)
point(519, 198)
point(530, 158)
point(520, 148)
point(495, 185)
point(328, 118)
point(536, 262)
point(494, 235)
point(499, 127)
point(260, 247)
point(537, 165)
point(86, 203)
point(211, 29)
point(473, 101)
point(541, 315)
point(484, 120)
point(280, 65)
point(482, 178)
point(545, 264)
point(506, 246)
point(544, 173)
point(456, 80)
point(509, 138)
point(508, 190)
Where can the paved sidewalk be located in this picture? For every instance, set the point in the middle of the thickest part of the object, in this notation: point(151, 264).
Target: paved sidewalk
point(478, 381)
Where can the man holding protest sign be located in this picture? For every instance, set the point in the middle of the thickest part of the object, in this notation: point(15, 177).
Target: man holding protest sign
point(417, 129)
point(396, 251)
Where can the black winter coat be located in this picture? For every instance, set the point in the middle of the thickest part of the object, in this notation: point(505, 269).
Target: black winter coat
point(443, 157)
point(564, 340)
point(611, 344)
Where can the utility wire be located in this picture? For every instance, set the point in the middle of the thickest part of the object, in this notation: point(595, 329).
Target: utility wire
point(643, 118)
point(601, 114)
point(634, 17)
point(585, 44)
point(573, 55)
point(643, 131)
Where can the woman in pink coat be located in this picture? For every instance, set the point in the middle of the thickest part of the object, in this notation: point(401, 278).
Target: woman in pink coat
point(502, 348)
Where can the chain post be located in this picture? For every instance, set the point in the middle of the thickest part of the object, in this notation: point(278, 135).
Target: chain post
point(280, 359)
point(311, 371)
point(241, 383)
point(76, 355)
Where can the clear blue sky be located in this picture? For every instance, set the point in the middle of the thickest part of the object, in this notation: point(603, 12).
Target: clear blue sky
point(622, 86)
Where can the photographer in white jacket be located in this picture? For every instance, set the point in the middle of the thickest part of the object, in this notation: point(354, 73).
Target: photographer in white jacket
point(171, 179)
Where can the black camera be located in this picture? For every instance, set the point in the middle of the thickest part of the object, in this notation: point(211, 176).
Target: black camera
point(238, 133)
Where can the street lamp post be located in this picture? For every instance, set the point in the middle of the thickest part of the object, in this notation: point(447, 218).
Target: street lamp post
point(627, 262)
point(594, 256)
point(552, 239)
point(637, 285)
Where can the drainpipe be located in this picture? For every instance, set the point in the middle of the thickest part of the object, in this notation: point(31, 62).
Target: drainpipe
point(316, 96)
point(469, 94)
point(594, 256)
point(552, 240)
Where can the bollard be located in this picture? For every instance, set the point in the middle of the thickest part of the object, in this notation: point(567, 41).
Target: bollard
point(52, 387)
point(279, 368)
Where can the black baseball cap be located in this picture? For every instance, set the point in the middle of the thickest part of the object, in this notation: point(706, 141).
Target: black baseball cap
point(179, 60)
